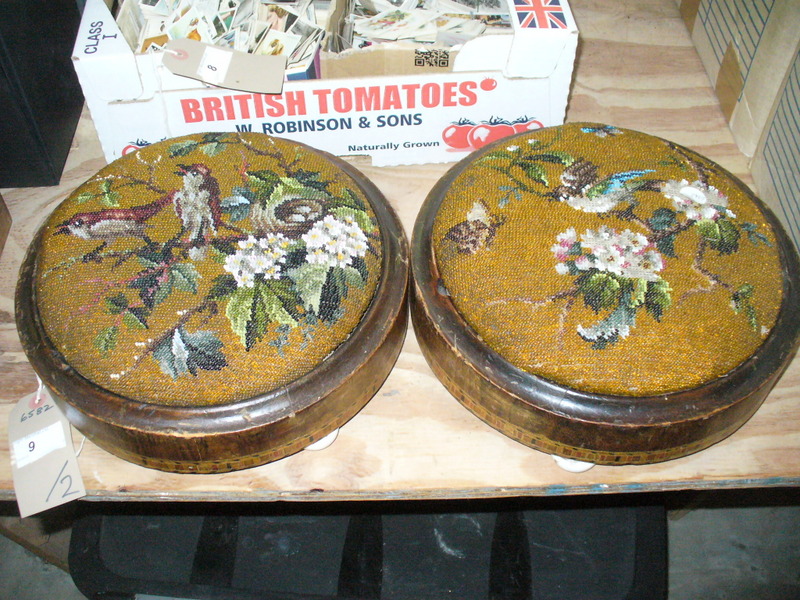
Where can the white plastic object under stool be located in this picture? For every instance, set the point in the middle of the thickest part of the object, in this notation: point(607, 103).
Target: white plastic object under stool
point(323, 443)
point(572, 465)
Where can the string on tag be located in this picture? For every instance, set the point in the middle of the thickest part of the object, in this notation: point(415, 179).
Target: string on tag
point(80, 448)
point(39, 397)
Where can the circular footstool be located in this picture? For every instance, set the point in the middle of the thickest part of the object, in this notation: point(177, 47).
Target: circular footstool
point(603, 295)
point(216, 301)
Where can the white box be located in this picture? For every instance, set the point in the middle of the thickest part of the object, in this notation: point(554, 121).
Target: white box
point(494, 80)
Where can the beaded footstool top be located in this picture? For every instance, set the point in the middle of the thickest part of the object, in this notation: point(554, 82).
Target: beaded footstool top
point(608, 261)
point(207, 269)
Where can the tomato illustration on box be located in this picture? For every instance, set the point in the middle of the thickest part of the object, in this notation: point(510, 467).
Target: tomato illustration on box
point(467, 135)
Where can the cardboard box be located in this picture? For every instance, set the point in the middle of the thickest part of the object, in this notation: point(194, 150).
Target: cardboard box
point(753, 60)
point(396, 118)
point(747, 51)
point(776, 163)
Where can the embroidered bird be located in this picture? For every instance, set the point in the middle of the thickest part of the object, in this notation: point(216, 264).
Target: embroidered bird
point(582, 189)
point(477, 232)
point(112, 223)
point(197, 203)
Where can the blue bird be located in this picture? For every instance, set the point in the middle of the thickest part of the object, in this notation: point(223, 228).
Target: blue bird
point(582, 189)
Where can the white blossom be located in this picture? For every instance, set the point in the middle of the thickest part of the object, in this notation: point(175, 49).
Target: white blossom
point(262, 256)
point(697, 200)
point(335, 242)
point(627, 254)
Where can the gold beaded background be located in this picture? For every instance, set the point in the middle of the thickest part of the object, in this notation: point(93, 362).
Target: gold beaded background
point(207, 269)
point(608, 261)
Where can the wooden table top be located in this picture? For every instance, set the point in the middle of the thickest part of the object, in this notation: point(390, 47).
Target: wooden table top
point(636, 68)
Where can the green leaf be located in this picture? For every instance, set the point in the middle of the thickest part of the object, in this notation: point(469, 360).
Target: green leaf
point(608, 331)
point(147, 263)
point(290, 188)
point(330, 304)
point(657, 298)
point(352, 200)
point(635, 292)
point(203, 351)
point(755, 236)
point(106, 340)
point(285, 291)
point(666, 245)
point(166, 359)
point(361, 266)
point(84, 197)
point(238, 204)
point(353, 277)
point(662, 219)
point(185, 352)
point(728, 242)
point(251, 310)
point(308, 280)
point(110, 199)
point(184, 277)
point(222, 286)
point(498, 155)
point(337, 278)
point(212, 148)
point(536, 172)
point(214, 136)
point(743, 303)
point(116, 304)
point(269, 304)
point(239, 311)
point(162, 292)
point(182, 148)
point(708, 230)
point(554, 156)
point(135, 319)
point(600, 290)
point(311, 179)
point(262, 183)
point(361, 218)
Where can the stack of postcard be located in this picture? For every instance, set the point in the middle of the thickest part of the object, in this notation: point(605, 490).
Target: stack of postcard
point(287, 28)
point(445, 22)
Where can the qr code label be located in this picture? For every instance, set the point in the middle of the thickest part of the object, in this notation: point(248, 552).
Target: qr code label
point(432, 58)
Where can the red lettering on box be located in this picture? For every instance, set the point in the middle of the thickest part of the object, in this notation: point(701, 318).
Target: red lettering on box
point(191, 110)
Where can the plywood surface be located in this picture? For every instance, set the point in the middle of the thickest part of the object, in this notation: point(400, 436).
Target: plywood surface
point(636, 69)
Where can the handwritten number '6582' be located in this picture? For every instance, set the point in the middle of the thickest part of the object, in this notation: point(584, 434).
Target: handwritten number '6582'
point(34, 412)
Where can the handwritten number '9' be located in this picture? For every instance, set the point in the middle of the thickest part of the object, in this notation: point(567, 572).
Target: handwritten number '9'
point(31, 446)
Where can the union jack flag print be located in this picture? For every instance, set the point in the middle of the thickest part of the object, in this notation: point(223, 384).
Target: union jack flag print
point(540, 14)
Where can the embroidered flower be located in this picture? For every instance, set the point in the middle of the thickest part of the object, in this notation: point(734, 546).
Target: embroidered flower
point(564, 243)
point(627, 254)
point(257, 256)
point(334, 242)
point(697, 200)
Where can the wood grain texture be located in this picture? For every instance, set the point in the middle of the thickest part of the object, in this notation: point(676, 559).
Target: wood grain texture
point(637, 69)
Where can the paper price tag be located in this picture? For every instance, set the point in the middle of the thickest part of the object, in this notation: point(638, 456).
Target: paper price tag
point(263, 74)
point(38, 444)
point(214, 65)
point(43, 462)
